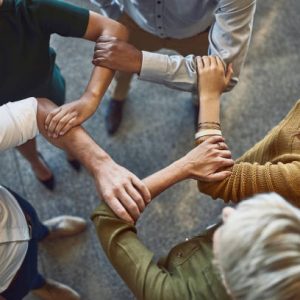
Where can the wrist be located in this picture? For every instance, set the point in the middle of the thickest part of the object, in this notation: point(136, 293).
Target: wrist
point(209, 96)
point(181, 169)
point(95, 165)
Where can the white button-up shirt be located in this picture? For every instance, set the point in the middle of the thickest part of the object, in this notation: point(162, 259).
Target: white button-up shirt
point(18, 123)
point(14, 237)
point(229, 37)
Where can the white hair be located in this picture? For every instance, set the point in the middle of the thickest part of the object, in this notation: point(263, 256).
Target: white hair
point(259, 250)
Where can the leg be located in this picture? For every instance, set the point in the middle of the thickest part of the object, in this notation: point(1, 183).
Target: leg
point(142, 40)
point(38, 165)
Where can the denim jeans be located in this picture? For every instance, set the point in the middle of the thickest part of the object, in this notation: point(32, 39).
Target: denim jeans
point(28, 277)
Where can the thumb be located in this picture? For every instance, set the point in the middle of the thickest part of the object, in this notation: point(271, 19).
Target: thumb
point(229, 74)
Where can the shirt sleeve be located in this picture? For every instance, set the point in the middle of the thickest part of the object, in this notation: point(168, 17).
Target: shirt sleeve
point(18, 123)
point(132, 260)
point(55, 16)
point(229, 39)
point(248, 179)
point(109, 8)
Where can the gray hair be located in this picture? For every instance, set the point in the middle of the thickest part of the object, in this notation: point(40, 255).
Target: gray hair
point(259, 256)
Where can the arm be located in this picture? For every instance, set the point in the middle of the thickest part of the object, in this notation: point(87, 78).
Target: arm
point(248, 179)
point(60, 120)
point(228, 39)
point(205, 162)
point(133, 261)
point(118, 187)
point(17, 123)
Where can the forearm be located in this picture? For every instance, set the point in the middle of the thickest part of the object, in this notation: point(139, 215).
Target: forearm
point(174, 71)
point(165, 178)
point(101, 77)
point(76, 142)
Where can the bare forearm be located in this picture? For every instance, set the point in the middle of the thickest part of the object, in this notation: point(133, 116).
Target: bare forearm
point(101, 77)
point(76, 142)
point(209, 108)
point(163, 179)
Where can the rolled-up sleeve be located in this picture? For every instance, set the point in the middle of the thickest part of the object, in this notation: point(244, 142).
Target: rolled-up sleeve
point(229, 39)
point(18, 123)
point(230, 35)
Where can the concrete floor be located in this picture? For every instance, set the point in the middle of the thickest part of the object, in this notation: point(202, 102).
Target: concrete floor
point(154, 115)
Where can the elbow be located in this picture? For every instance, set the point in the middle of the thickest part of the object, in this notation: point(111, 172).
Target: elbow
point(118, 31)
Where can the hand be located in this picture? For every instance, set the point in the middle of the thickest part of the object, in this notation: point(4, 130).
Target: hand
point(62, 119)
point(123, 192)
point(117, 55)
point(212, 78)
point(207, 161)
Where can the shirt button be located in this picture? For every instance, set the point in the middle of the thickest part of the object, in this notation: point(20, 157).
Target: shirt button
point(158, 2)
point(159, 27)
point(159, 16)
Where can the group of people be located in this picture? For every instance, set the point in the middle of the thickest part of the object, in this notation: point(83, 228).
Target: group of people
point(252, 253)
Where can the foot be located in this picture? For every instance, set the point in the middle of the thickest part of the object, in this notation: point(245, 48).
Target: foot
point(64, 226)
point(113, 115)
point(53, 290)
point(43, 172)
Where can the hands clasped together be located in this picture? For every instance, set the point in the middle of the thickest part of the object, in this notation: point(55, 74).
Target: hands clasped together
point(125, 193)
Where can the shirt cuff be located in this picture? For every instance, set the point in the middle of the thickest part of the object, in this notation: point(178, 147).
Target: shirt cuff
point(154, 66)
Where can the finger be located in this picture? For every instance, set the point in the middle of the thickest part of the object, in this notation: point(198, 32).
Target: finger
point(119, 210)
point(50, 117)
point(217, 176)
point(142, 188)
point(206, 61)
point(132, 192)
point(130, 205)
point(99, 53)
point(54, 121)
point(229, 73)
point(219, 61)
point(214, 139)
point(72, 123)
point(100, 62)
point(224, 153)
point(105, 39)
point(226, 163)
point(199, 63)
point(62, 123)
point(222, 146)
point(213, 62)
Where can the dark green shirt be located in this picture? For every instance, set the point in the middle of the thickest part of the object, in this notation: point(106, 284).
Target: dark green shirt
point(27, 63)
point(187, 273)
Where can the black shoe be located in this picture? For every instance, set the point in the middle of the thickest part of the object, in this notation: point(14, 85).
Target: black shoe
point(48, 183)
point(196, 116)
point(75, 164)
point(113, 116)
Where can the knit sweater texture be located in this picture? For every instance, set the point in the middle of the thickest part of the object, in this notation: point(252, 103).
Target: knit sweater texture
point(272, 165)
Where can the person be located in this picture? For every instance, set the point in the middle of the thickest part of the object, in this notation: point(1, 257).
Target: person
point(272, 165)
point(28, 67)
point(21, 231)
point(23, 120)
point(260, 260)
point(220, 28)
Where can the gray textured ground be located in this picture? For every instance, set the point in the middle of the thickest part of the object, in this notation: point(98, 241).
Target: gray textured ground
point(157, 129)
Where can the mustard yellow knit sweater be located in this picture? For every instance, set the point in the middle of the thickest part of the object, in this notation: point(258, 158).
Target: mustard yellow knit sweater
point(272, 165)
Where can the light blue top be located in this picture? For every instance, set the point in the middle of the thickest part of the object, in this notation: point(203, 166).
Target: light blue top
point(231, 24)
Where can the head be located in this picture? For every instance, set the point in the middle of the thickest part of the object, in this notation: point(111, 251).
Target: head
point(257, 249)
